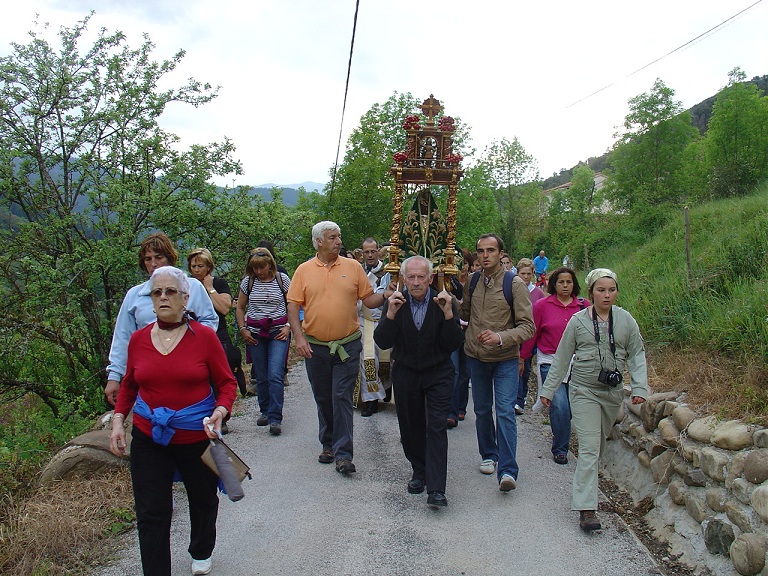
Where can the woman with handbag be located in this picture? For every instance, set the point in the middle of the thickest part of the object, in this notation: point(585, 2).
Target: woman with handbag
point(262, 321)
point(603, 341)
point(200, 264)
point(171, 365)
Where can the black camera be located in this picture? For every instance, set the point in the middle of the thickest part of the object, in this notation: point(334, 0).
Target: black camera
point(610, 378)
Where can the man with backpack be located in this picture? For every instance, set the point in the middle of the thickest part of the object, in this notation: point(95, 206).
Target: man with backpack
point(497, 307)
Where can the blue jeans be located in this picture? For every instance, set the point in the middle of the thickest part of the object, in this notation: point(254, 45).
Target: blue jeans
point(522, 385)
point(496, 381)
point(559, 416)
point(460, 396)
point(268, 358)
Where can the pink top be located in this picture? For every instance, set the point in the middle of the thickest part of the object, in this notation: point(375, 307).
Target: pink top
point(550, 318)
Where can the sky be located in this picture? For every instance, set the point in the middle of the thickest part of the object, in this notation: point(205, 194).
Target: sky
point(506, 69)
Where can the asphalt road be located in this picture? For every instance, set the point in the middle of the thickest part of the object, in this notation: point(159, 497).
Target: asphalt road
point(302, 517)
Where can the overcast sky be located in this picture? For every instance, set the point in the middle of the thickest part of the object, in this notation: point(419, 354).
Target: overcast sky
point(505, 68)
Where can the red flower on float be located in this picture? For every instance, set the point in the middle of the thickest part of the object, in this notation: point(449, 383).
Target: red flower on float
point(400, 157)
point(411, 122)
point(454, 158)
point(447, 124)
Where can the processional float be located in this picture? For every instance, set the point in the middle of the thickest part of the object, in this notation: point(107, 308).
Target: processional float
point(427, 161)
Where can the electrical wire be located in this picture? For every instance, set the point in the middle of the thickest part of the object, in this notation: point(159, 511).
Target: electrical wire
point(688, 44)
point(344, 107)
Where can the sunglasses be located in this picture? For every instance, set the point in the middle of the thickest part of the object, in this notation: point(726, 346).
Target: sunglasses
point(158, 292)
point(259, 254)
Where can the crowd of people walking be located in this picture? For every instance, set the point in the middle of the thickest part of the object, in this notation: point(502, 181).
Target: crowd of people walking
point(173, 363)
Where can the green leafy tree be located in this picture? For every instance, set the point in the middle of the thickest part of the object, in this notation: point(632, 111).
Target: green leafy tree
point(87, 171)
point(737, 137)
point(648, 157)
point(512, 175)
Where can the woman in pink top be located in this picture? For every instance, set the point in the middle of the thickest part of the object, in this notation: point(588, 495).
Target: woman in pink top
point(551, 315)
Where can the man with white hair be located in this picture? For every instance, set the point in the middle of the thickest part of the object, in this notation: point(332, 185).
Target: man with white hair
point(328, 288)
point(423, 330)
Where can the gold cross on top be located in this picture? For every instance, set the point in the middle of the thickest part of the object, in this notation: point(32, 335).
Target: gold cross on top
point(431, 107)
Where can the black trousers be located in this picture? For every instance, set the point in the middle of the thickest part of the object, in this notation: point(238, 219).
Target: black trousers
point(423, 400)
point(152, 471)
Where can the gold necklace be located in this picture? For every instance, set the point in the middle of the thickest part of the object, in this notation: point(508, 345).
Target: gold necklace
point(167, 349)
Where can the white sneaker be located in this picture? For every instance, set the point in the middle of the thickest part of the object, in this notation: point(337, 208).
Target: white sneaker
point(201, 566)
point(507, 483)
point(488, 466)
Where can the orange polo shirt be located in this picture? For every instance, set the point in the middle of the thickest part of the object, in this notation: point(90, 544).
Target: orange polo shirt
point(329, 297)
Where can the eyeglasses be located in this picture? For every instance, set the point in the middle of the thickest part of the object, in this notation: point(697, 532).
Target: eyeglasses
point(158, 292)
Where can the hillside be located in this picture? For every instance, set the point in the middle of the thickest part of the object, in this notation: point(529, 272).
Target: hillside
point(700, 115)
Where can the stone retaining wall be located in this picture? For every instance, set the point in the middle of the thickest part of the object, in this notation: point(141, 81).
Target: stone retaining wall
point(708, 480)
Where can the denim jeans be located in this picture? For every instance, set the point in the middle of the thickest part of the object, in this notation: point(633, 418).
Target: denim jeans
point(460, 396)
point(559, 416)
point(522, 385)
point(496, 382)
point(268, 358)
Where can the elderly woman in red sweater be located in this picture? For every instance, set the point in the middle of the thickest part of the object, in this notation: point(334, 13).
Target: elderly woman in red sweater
point(171, 366)
point(551, 316)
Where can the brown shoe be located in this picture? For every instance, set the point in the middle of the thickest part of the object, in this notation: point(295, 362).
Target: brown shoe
point(326, 456)
point(345, 467)
point(588, 521)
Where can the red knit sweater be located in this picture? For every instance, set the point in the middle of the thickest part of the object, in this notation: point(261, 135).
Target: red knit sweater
point(180, 379)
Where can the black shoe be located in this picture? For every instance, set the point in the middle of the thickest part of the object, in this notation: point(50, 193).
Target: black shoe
point(275, 429)
point(370, 408)
point(224, 429)
point(345, 467)
point(262, 420)
point(388, 394)
point(415, 486)
point(436, 499)
point(451, 423)
point(326, 456)
point(588, 521)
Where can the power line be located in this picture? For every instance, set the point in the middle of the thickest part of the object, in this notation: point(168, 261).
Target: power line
point(678, 49)
point(344, 107)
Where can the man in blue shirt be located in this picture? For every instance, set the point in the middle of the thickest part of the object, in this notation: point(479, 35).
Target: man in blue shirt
point(540, 264)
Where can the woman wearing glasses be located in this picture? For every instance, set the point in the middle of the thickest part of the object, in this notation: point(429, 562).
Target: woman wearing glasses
point(263, 323)
point(172, 365)
point(603, 341)
point(137, 309)
point(200, 264)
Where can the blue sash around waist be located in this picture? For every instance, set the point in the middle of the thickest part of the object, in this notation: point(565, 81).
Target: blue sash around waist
point(165, 421)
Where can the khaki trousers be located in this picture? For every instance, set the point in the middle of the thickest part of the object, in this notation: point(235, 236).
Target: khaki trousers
point(593, 412)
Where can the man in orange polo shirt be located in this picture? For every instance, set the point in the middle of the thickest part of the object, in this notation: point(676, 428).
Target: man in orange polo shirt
point(328, 288)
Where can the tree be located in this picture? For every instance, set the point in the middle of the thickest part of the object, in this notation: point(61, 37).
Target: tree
point(88, 171)
point(512, 174)
point(648, 156)
point(737, 137)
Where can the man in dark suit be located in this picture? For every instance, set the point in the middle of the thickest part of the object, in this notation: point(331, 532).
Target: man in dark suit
point(422, 329)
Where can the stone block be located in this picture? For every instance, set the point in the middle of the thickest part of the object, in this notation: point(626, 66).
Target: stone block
point(696, 507)
point(652, 411)
point(669, 433)
point(748, 553)
point(677, 492)
point(644, 458)
point(718, 537)
point(661, 467)
point(742, 490)
point(739, 515)
point(695, 477)
point(716, 499)
point(687, 448)
point(681, 466)
point(701, 429)
point(756, 466)
point(735, 468)
point(759, 501)
point(714, 463)
point(733, 435)
point(636, 409)
point(760, 438)
point(682, 416)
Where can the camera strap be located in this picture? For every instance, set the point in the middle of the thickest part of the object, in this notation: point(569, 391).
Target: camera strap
point(611, 340)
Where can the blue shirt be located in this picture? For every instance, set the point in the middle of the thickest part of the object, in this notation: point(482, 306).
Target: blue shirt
point(540, 264)
point(418, 310)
